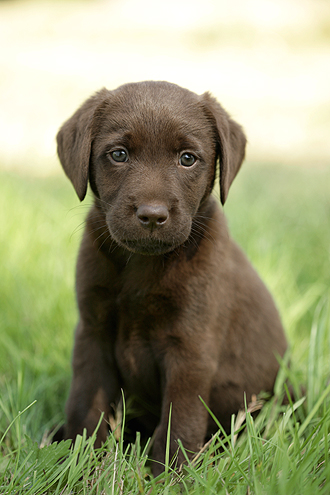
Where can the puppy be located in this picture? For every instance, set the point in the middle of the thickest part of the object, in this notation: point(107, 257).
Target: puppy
point(170, 308)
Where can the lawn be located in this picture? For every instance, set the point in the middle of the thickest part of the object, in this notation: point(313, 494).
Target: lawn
point(280, 216)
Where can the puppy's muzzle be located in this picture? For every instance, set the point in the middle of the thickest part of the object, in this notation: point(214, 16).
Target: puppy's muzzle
point(152, 217)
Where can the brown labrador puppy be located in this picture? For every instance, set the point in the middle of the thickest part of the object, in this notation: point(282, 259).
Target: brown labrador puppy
point(170, 308)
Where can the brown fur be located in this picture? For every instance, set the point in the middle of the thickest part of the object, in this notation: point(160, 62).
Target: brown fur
point(170, 308)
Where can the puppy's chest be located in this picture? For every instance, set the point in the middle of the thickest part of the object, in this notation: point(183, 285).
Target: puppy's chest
point(145, 329)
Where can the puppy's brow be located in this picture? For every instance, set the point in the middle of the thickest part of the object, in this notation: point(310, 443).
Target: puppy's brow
point(124, 137)
point(187, 142)
point(113, 140)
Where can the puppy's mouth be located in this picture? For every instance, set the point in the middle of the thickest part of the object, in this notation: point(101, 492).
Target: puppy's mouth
point(147, 248)
point(137, 239)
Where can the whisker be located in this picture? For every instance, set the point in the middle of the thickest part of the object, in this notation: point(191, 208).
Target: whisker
point(192, 240)
point(129, 257)
point(105, 240)
point(80, 206)
point(200, 228)
point(105, 202)
point(202, 234)
point(113, 246)
point(77, 229)
point(81, 226)
point(99, 237)
point(98, 228)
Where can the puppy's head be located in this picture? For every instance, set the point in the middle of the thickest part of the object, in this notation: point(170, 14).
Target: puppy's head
point(149, 151)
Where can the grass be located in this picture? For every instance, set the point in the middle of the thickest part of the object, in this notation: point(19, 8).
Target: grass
point(281, 218)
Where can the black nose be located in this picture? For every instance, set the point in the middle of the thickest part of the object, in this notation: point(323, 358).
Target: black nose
point(152, 216)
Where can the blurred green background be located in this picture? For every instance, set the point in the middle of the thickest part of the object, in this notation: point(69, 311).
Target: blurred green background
point(267, 61)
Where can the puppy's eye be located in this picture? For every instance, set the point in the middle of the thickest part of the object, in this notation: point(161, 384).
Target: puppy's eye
point(187, 160)
point(119, 155)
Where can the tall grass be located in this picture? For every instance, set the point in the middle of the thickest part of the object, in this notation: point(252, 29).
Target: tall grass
point(281, 218)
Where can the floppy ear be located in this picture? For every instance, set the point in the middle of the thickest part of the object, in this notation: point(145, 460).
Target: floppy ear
point(74, 141)
point(231, 143)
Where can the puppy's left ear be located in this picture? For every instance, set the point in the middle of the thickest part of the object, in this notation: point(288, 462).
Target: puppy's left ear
point(231, 142)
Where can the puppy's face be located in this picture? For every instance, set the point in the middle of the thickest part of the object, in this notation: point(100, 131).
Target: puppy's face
point(149, 151)
point(152, 164)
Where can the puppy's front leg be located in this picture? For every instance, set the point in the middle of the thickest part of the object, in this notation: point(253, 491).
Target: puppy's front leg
point(95, 383)
point(185, 382)
point(94, 387)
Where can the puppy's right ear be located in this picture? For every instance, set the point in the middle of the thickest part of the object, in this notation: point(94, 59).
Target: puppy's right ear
point(74, 142)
